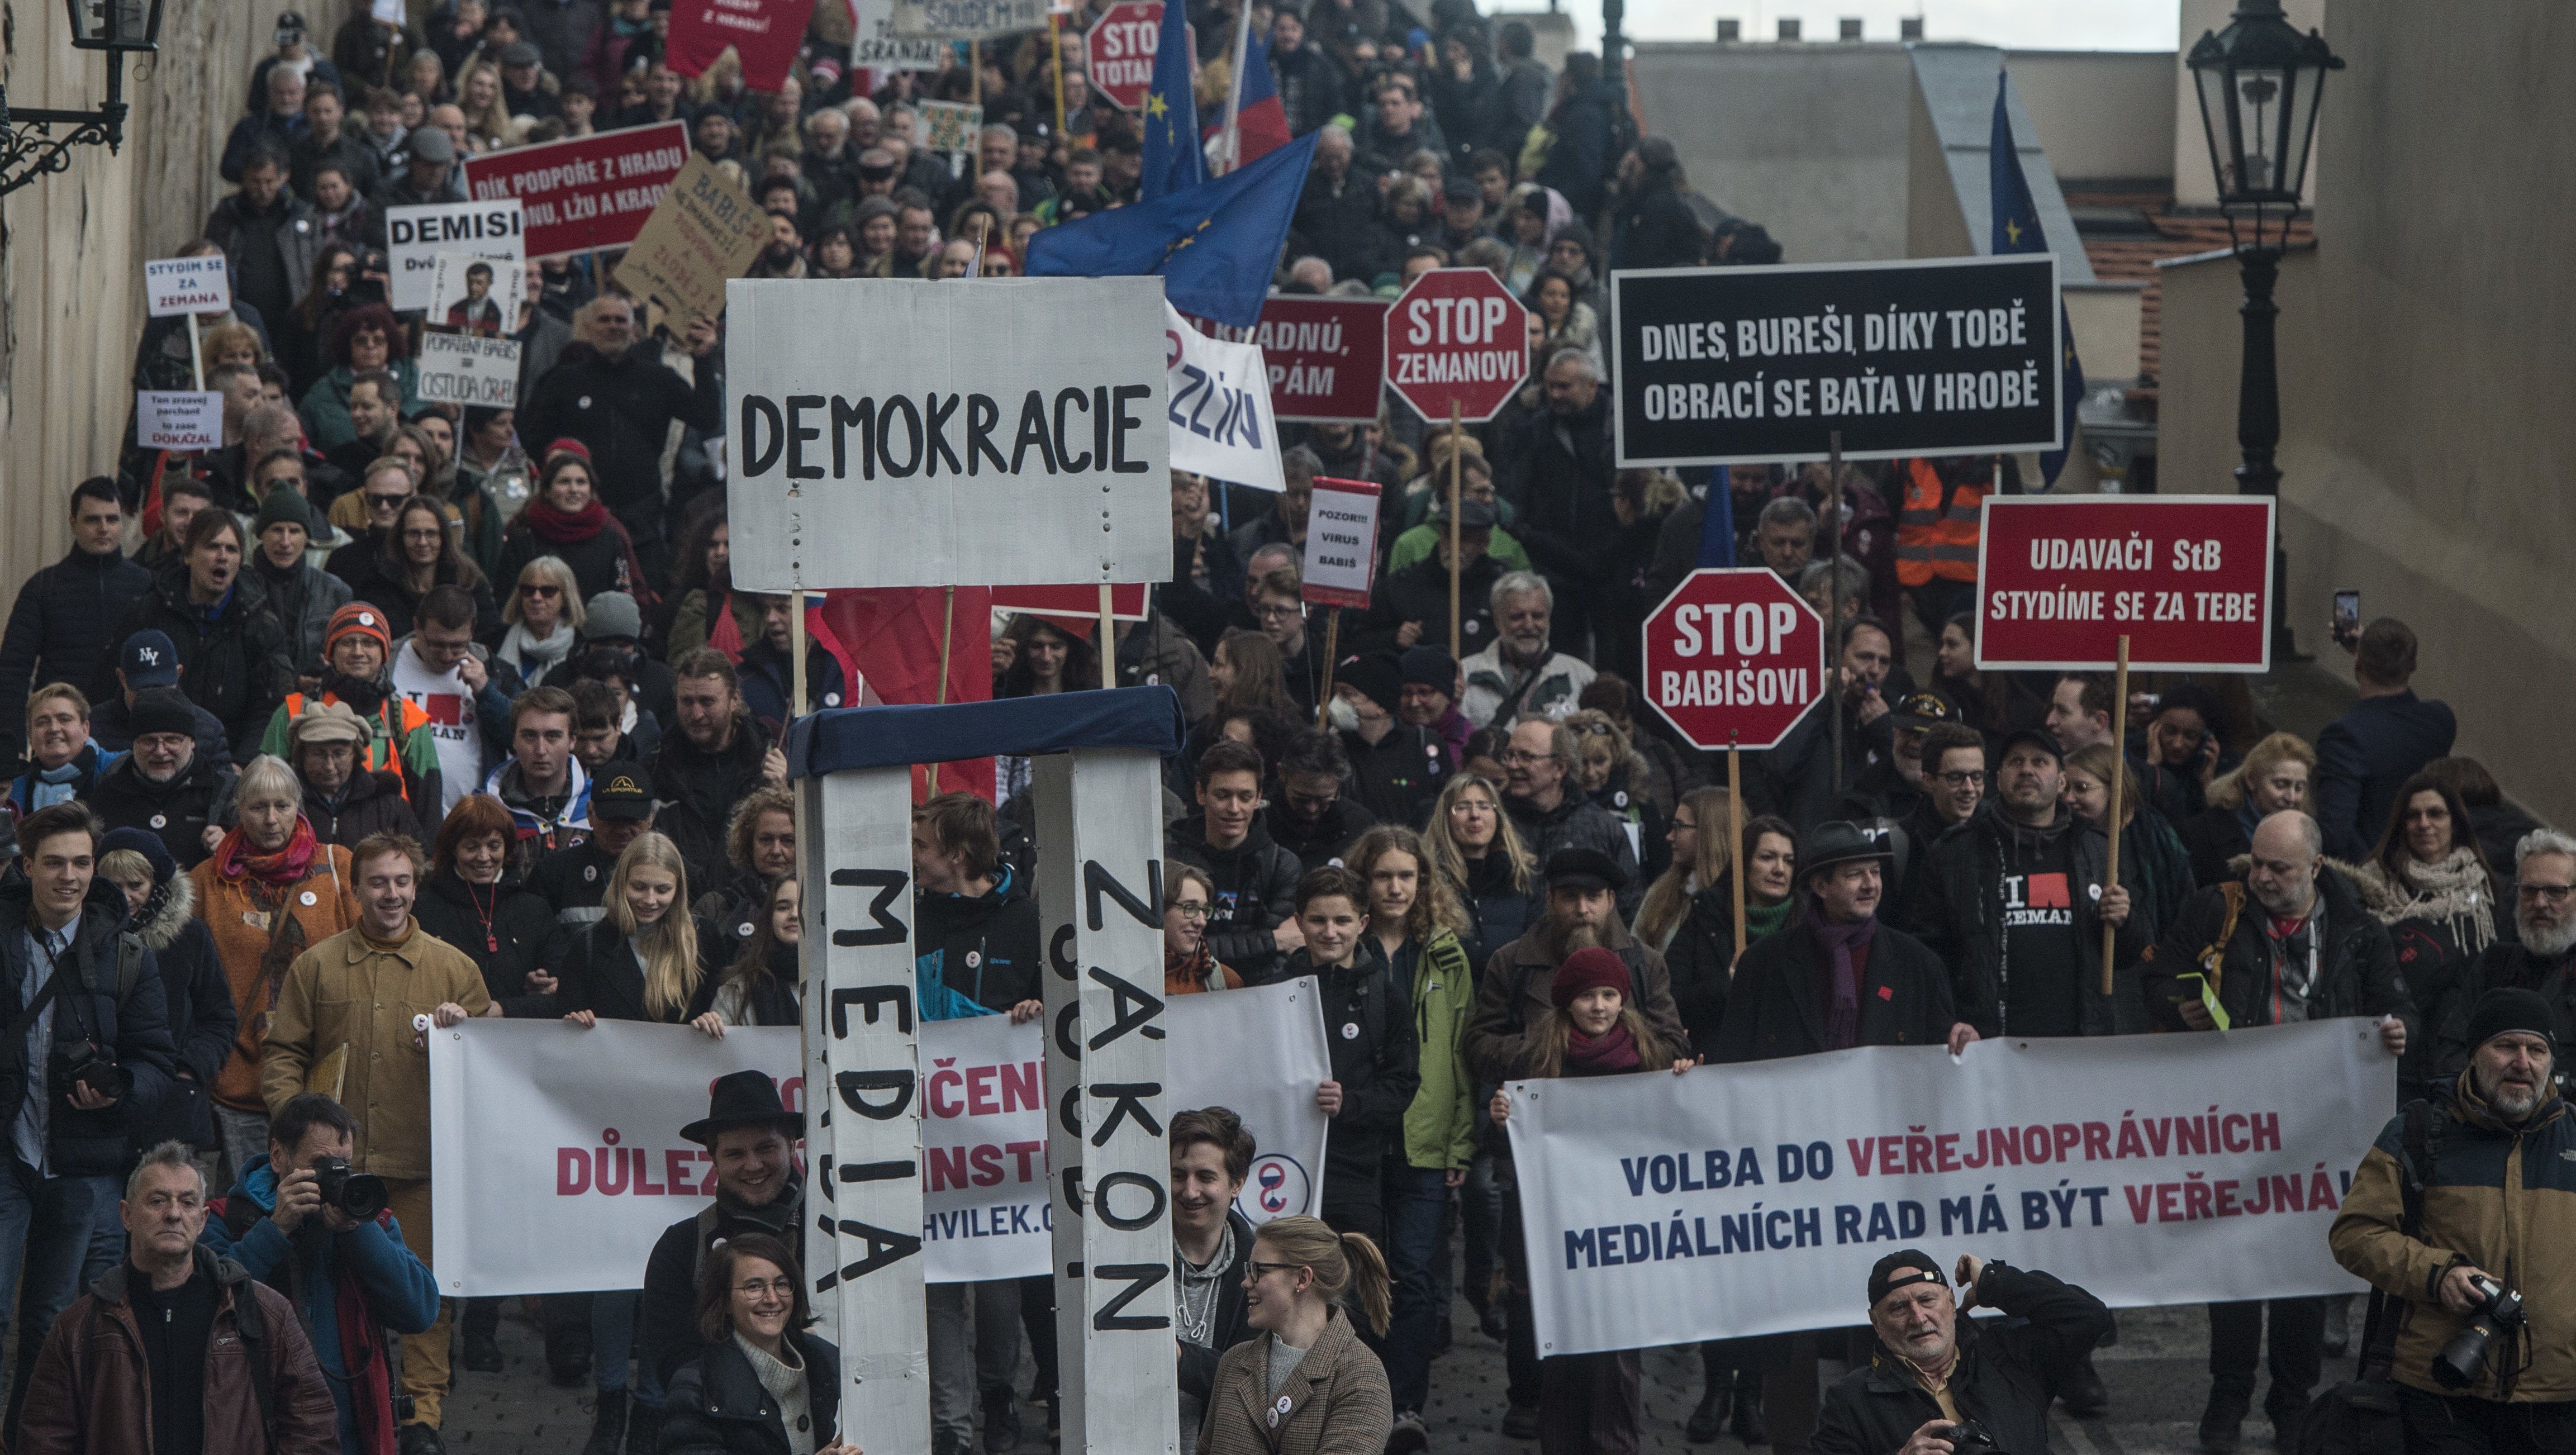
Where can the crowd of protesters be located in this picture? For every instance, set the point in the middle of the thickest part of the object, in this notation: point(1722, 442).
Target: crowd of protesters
point(388, 703)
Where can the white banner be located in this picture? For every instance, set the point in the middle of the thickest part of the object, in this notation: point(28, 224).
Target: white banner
point(1222, 426)
point(1015, 439)
point(172, 286)
point(876, 45)
point(178, 419)
point(467, 368)
point(1753, 1199)
point(967, 19)
point(1260, 1053)
point(415, 236)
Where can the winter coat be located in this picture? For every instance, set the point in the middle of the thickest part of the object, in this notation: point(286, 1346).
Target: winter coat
point(2442, 918)
point(697, 790)
point(1577, 823)
point(351, 991)
point(2503, 965)
point(1399, 777)
point(766, 677)
point(716, 1405)
point(1256, 892)
point(1657, 229)
point(257, 944)
point(1323, 841)
point(279, 245)
point(513, 943)
point(372, 803)
point(1701, 956)
point(303, 600)
point(368, 1270)
point(1440, 1125)
point(1310, 89)
point(542, 833)
point(2362, 758)
point(1499, 693)
point(983, 948)
point(602, 976)
point(325, 406)
point(1959, 916)
point(86, 765)
point(199, 1008)
point(1156, 652)
point(1579, 163)
point(58, 632)
point(598, 564)
point(1339, 223)
point(2008, 1370)
point(1497, 912)
point(235, 660)
point(360, 569)
point(666, 1334)
point(179, 811)
point(1512, 997)
point(2498, 1197)
point(1338, 1402)
point(768, 999)
point(622, 410)
point(1777, 1005)
point(1420, 592)
point(1374, 1057)
point(91, 1392)
point(132, 1023)
point(1556, 469)
point(111, 726)
point(2356, 966)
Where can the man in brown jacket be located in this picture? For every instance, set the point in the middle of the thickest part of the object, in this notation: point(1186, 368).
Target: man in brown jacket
point(349, 1025)
point(102, 1387)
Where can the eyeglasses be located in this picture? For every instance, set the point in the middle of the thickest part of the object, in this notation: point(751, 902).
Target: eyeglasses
point(2553, 893)
point(1523, 755)
point(1190, 911)
point(536, 588)
point(1254, 1269)
point(1278, 611)
point(760, 1288)
point(1970, 779)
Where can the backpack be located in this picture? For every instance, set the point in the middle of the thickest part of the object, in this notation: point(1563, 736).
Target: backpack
point(2361, 1416)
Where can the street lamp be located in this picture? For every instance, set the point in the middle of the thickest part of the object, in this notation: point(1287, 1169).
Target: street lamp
point(2258, 82)
point(28, 147)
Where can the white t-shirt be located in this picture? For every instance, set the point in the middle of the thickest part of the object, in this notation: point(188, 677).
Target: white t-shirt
point(450, 708)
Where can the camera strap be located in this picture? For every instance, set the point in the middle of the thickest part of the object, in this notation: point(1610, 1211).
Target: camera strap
point(2419, 1143)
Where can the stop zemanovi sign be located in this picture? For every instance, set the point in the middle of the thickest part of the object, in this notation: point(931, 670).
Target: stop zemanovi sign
point(1457, 335)
point(1734, 658)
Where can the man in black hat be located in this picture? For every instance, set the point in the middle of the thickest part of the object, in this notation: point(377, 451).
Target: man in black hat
point(1398, 768)
point(2014, 900)
point(751, 1137)
point(1932, 1371)
point(1892, 787)
point(2492, 1152)
point(573, 878)
point(523, 82)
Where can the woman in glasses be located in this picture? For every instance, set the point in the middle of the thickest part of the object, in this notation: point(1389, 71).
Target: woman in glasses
point(1305, 1384)
point(545, 616)
point(1189, 963)
point(761, 1383)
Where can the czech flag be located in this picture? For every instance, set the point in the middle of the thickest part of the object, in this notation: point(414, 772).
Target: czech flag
point(1261, 124)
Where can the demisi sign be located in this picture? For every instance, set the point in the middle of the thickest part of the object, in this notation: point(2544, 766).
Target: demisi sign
point(2060, 579)
point(1718, 366)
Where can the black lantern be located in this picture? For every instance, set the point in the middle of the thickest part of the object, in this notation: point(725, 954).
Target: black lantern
point(2259, 80)
point(29, 147)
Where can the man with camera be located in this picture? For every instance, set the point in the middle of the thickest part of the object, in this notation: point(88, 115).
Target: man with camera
point(1937, 1384)
point(348, 1025)
point(2460, 1212)
point(88, 1042)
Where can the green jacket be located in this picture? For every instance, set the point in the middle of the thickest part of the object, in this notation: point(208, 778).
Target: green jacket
point(1440, 1126)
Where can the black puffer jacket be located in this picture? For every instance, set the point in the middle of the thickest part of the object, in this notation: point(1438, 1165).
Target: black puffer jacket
point(58, 632)
point(2007, 1372)
point(984, 947)
point(501, 927)
point(717, 1405)
point(134, 1025)
point(698, 789)
point(235, 661)
point(1256, 892)
point(622, 410)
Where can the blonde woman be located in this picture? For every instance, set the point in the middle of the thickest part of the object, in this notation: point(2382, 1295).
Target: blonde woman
point(545, 616)
point(478, 95)
point(1299, 1289)
point(1471, 846)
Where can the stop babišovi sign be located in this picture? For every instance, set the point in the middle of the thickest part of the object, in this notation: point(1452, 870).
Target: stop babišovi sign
point(1734, 658)
point(1120, 49)
point(1457, 335)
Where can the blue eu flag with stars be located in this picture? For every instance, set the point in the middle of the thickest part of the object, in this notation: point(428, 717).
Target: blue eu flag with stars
point(2017, 230)
point(1170, 116)
point(1215, 244)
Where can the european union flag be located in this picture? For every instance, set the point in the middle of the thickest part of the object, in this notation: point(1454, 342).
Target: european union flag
point(1215, 244)
point(1171, 113)
point(2017, 230)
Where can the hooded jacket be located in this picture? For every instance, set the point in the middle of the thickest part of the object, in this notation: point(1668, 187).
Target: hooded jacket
point(58, 631)
point(132, 1024)
point(980, 947)
point(540, 834)
point(1988, 868)
point(234, 654)
point(197, 1003)
point(2008, 1370)
point(2357, 971)
point(1440, 1125)
point(1256, 892)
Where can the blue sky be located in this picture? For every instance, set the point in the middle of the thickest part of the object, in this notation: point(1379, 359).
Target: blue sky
point(2021, 24)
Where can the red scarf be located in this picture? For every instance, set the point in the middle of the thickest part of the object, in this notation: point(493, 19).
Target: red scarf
point(1607, 1054)
point(234, 857)
point(557, 528)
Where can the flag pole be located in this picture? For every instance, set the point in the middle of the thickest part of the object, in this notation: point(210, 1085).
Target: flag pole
point(1735, 839)
point(947, 634)
point(1055, 59)
point(2119, 772)
point(1454, 465)
point(1231, 148)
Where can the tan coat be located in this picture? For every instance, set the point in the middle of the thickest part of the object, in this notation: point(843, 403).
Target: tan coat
point(1337, 1400)
point(351, 992)
point(247, 933)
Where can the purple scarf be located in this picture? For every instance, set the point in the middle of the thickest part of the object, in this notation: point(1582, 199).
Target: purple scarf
point(1842, 1016)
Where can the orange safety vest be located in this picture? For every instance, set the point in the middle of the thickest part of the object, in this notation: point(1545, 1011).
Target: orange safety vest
point(1934, 539)
point(384, 745)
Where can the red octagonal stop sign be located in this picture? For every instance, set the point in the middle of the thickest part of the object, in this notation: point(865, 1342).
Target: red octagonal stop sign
point(1120, 49)
point(1734, 658)
point(1457, 336)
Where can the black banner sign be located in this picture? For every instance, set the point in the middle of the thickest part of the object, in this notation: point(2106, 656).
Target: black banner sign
point(1724, 366)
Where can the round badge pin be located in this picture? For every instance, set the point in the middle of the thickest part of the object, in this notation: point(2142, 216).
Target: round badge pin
point(974, 958)
point(160, 820)
point(590, 874)
point(1350, 1030)
point(310, 899)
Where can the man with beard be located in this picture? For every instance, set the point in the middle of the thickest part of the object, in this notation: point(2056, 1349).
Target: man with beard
point(2540, 960)
point(1520, 674)
point(1929, 1368)
point(2481, 1212)
point(715, 759)
point(2288, 942)
point(355, 650)
point(1552, 813)
point(1554, 465)
point(165, 784)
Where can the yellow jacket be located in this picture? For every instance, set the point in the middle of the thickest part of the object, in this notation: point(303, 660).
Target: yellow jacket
point(358, 994)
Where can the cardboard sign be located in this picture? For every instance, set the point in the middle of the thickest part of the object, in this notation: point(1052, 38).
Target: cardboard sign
point(178, 419)
point(1341, 542)
point(466, 368)
point(415, 236)
point(477, 295)
point(1220, 410)
point(1326, 356)
point(949, 126)
point(1015, 437)
point(2186, 578)
point(878, 46)
point(968, 19)
point(1733, 366)
point(173, 286)
point(587, 191)
point(704, 231)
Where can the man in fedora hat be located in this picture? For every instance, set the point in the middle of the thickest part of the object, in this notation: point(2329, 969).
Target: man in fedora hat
point(751, 1136)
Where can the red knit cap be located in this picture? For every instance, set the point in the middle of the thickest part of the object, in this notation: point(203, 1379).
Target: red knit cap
point(1592, 969)
point(360, 618)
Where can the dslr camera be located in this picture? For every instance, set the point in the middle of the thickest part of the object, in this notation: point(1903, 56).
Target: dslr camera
point(358, 1195)
point(1971, 1438)
point(86, 1064)
point(2499, 1309)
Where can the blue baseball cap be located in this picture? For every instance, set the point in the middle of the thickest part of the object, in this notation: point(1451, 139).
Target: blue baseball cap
point(148, 659)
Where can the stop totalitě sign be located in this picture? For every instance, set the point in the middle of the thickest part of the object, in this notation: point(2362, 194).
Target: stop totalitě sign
point(1120, 50)
point(1457, 336)
point(1734, 658)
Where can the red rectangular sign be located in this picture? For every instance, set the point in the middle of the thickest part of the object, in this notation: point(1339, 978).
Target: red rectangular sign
point(587, 192)
point(1326, 356)
point(2186, 578)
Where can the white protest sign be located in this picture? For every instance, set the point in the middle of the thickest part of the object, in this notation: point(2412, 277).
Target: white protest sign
point(1259, 1053)
point(389, 12)
point(1341, 542)
point(478, 295)
point(415, 236)
point(877, 45)
point(1222, 426)
point(983, 1145)
point(1015, 439)
point(172, 286)
point(178, 419)
point(1752, 1199)
point(468, 368)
